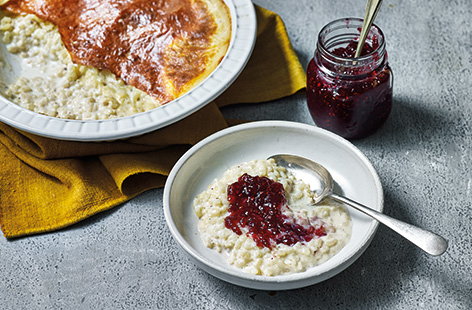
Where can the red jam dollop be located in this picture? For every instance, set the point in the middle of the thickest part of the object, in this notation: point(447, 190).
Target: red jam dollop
point(353, 101)
point(255, 207)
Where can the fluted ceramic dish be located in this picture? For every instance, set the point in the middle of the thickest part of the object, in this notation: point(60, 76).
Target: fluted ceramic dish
point(353, 173)
point(243, 37)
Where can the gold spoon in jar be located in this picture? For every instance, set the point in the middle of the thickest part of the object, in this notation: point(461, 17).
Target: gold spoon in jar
point(314, 173)
point(371, 11)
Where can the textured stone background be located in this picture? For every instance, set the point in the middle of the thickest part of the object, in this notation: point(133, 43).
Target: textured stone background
point(126, 258)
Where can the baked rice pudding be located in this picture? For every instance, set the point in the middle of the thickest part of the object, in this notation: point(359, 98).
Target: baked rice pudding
point(265, 222)
point(110, 58)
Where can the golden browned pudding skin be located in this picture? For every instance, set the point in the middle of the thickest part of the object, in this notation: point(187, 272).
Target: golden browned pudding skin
point(130, 37)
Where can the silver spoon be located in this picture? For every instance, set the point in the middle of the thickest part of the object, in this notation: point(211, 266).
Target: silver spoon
point(371, 11)
point(311, 171)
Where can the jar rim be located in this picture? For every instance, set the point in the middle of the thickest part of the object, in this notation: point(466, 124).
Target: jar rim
point(378, 50)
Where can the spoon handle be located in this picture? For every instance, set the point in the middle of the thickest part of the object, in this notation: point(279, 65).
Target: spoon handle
point(371, 11)
point(427, 241)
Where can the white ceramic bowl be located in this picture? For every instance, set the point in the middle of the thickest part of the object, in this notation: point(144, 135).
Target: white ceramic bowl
point(244, 26)
point(207, 161)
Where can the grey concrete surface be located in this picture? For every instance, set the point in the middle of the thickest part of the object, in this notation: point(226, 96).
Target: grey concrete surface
point(127, 259)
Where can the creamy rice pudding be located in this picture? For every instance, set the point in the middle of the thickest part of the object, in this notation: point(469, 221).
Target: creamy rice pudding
point(264, 220)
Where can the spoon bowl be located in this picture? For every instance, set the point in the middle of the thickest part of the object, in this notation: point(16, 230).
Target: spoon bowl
point(314, 174)
point(322, 183)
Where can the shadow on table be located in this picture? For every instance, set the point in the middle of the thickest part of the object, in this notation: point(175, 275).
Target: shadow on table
point(94, 219)
point(304, 57)
point(411, 123)
point(376, 279)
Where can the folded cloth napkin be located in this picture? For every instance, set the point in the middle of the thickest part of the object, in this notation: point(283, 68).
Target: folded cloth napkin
point(48, 184)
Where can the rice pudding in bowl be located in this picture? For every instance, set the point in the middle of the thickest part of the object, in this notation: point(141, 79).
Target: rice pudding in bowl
point(87, 60)
point(207, 161)
point(264, 221)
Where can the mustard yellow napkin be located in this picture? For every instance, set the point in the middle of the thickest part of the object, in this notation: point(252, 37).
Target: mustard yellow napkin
point(47, 184)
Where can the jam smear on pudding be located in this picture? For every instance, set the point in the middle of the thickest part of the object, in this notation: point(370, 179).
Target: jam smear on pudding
point(256, 208)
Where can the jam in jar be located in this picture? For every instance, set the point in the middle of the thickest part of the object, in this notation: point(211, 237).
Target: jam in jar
point(349, 96)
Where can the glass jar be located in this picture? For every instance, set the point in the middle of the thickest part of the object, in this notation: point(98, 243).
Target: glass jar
point(349, 96)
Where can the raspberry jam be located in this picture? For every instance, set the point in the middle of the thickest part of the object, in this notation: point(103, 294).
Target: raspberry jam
point(255, 207)
point(349, 96)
